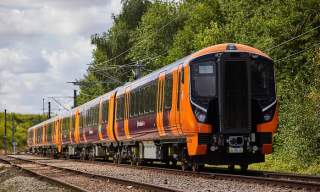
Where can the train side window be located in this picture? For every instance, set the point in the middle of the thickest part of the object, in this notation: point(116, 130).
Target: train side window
point(137, 102)
point(145, 99)
point(67, 125)
point(118, 109)
point(148, 99)
point(142, 98)
point(92, 116)
point(80, 120)
point(134, 106)
point(179, 89)
point(88, 117)
point(142, 101)
point(168, 92)
point(105, 110)
point(182, 74)
point(131, 104)
point(122, 107)
point(153, 96)
point(97, 114)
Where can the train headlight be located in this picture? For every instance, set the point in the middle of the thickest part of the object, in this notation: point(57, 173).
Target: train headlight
point(269, 112)
point(201, 116)
point(267, 117)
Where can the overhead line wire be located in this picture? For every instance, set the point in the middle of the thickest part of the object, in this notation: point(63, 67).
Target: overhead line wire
point(115, 57)
point(294, 38)
point(296, 53)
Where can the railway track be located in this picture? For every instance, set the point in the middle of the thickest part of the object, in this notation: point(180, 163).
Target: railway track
point(305, 182)
point(295, 181)
point(21, 164)
point(90, 182)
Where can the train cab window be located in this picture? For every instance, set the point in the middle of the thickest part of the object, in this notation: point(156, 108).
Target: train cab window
point(262, 82)
point(203, 81)
point(168, 92)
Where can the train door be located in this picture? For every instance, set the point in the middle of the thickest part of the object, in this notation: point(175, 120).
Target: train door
point(71, 127)
point(34, 136)
point(111, 118)
point(126, 112)
point(160, 104)
point(100, 120)
point(167, 103)
point(179, 92)
point(43, 134)
point(77, 127)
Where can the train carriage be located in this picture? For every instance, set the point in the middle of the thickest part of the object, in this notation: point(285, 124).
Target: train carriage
point(215, 106)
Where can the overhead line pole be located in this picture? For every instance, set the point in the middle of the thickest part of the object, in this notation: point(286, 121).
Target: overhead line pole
point(5, 132)
point(49, 110)
point(14, 144)
point(74, 98)
point(43, 106)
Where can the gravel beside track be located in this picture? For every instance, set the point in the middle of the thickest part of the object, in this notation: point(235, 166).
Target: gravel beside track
point(80, 181)
point(183, 182)
point(14, 180)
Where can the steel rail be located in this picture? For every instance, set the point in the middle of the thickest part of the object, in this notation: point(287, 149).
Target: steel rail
point(262, 177)
point(140, 185)
point(268, 178)
point(42, 176)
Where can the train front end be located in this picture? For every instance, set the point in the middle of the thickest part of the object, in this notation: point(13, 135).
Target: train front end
point(232, 89)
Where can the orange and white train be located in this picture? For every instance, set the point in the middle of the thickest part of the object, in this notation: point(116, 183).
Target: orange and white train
point(215, 106)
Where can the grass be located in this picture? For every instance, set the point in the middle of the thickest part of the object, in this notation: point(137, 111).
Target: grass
point(274, 164)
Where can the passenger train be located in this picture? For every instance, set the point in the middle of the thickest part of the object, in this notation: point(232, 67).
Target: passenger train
point(215, 106)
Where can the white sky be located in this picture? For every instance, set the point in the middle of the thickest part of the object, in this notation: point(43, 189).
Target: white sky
point(43, 45)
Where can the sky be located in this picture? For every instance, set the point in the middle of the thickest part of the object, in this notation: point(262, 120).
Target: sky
point(43, 45)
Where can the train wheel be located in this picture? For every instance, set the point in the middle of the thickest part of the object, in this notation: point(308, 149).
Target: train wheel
point(231, 167)
point(133, 161)
point(174, 163)
point(114, 160)
point(244, 167)
point(67, 155)
point(195, 167)
point(138, 162)
point(119, 160)
point(184, 166)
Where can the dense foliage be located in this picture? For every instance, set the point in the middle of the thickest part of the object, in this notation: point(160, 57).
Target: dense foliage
point(21, 124)
point(155, 33)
